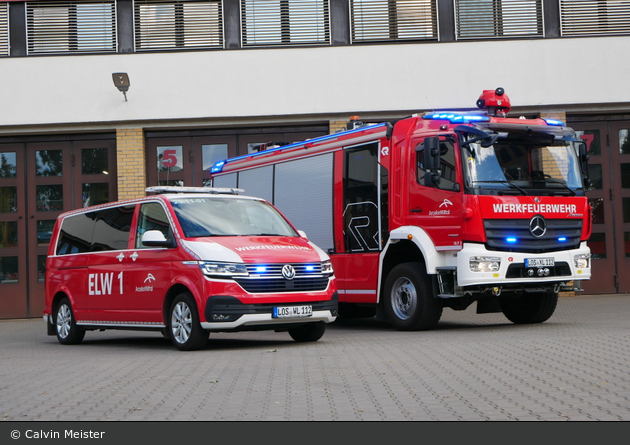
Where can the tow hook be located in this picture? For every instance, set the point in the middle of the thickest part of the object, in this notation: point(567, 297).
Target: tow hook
point(495, 291)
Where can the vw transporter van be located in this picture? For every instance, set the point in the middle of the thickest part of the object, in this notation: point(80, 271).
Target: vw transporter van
point(186, 261)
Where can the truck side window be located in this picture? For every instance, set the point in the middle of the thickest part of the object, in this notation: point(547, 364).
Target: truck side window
point(448, 173)
point(152, 217)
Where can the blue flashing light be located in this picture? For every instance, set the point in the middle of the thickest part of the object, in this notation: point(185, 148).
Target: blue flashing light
point(309, 268)
point(455, 118)
point(562, 239)
point(554, 122)
point(511, 240)
point(261, 269)
point(217, 167)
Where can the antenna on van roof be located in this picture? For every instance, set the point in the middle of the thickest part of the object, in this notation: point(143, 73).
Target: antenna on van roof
point(211, 190)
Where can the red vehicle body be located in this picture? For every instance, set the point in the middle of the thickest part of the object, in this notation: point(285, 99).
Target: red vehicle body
point(186, 264)
point(437, 210)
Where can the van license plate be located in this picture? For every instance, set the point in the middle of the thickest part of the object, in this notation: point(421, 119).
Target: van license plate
point(292, 311)
point(539, 262)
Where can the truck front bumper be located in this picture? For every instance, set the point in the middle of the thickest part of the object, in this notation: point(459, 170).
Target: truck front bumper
point(505, 268)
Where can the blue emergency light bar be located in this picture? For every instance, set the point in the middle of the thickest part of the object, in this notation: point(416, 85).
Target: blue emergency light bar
point(218, 166)
point(554, 122)
point(456, 118)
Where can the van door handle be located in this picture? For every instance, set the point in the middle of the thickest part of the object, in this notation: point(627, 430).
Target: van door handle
point(416, 210)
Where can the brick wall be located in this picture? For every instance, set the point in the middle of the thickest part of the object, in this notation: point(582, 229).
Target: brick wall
point(131, 163)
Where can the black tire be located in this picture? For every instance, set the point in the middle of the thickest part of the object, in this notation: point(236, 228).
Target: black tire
point(68, 333)
point(308, 332)
point(528, 308)
point(408, 300)
point(184, 328)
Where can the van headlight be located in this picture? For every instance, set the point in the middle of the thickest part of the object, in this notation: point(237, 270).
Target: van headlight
point(485, 263)
point(327, 268)
point(582, 261)
point(223, 270)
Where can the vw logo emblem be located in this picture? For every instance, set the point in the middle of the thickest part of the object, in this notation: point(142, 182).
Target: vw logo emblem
point(288, 272)
point(538, 226)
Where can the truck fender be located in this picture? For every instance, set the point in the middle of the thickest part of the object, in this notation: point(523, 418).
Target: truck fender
point(432, 258)
point(181, 280)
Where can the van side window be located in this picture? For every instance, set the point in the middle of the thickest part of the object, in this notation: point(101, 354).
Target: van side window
point(111, 229)
point(152, 217)
point(75, 235)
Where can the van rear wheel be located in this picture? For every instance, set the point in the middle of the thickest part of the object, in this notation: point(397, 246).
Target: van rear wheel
point(68, 333)
point(184, 328)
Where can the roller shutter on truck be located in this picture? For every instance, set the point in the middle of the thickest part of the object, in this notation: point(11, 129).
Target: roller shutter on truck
point(301, 189)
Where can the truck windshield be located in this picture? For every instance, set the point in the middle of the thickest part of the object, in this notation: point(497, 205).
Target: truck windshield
point(201, 217)
point(527, 165)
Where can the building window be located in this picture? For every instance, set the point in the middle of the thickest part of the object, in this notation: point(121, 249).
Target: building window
point(163, 25)
point(481, 19)
point(71, 26)
point(4, 29)
point(594, 17)
point(392, 20)
point(285, 22)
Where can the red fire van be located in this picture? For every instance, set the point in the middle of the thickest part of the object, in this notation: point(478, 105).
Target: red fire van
point(186, 261)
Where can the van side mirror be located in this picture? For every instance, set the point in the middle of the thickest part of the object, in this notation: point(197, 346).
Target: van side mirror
point(432, 161)
point(155, 238)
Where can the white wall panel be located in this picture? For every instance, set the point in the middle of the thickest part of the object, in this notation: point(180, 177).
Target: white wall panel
point(310, 81)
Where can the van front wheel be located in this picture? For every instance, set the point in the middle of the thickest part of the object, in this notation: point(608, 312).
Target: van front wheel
point(184, 328)
point(308, 332)
point(68, 333)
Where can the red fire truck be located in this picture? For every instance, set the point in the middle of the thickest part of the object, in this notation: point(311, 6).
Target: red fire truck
point(437, 210)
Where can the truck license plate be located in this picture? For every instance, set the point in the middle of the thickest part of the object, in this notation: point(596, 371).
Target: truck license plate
point(539, 262)
point(292, 311)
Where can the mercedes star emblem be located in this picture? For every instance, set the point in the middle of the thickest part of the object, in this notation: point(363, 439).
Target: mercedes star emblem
point(538, 226)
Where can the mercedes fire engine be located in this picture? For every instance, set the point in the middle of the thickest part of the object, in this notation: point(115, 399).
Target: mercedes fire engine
point(437, 210)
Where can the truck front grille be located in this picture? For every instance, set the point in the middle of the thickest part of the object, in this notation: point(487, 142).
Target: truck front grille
point(513, 235)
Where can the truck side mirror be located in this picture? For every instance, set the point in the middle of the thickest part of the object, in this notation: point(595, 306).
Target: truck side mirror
point(432, 161)
point(584, 164)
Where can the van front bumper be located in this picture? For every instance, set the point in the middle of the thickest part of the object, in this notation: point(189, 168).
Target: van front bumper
point(234, 315)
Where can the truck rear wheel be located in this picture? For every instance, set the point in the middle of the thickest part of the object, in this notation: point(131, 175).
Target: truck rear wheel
point(408, 300)
point(528, 308)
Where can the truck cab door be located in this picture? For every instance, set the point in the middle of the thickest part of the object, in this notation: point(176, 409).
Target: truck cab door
point(436, 208)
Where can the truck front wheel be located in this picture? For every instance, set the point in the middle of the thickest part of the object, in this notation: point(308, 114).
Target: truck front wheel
point(408, 300)
point(528, 308)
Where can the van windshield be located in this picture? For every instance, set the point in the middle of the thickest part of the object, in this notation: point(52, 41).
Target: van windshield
point(200, 217)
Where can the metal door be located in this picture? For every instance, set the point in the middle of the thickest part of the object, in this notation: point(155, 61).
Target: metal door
point(609, 168)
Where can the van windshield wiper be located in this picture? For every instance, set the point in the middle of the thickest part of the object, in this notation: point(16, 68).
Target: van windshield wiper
point(509, 184)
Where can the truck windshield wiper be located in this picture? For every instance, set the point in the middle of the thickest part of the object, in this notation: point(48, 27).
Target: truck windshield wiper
point(554, 181)
point(509, 184)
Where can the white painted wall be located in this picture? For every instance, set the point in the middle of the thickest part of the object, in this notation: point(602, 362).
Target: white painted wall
point(319, 80)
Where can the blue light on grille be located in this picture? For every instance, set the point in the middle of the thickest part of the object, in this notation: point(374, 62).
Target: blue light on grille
point(309, 268)
point(562, 239)
point(260, 269)
point(511, 240)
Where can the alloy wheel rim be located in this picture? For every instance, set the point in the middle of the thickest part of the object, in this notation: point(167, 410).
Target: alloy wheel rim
point(181, 322)
point(64, 318)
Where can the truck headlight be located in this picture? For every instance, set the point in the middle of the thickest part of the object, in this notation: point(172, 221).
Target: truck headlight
point(327, 268)
point(582, 261)
point(223, 270)
point(485, 263)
